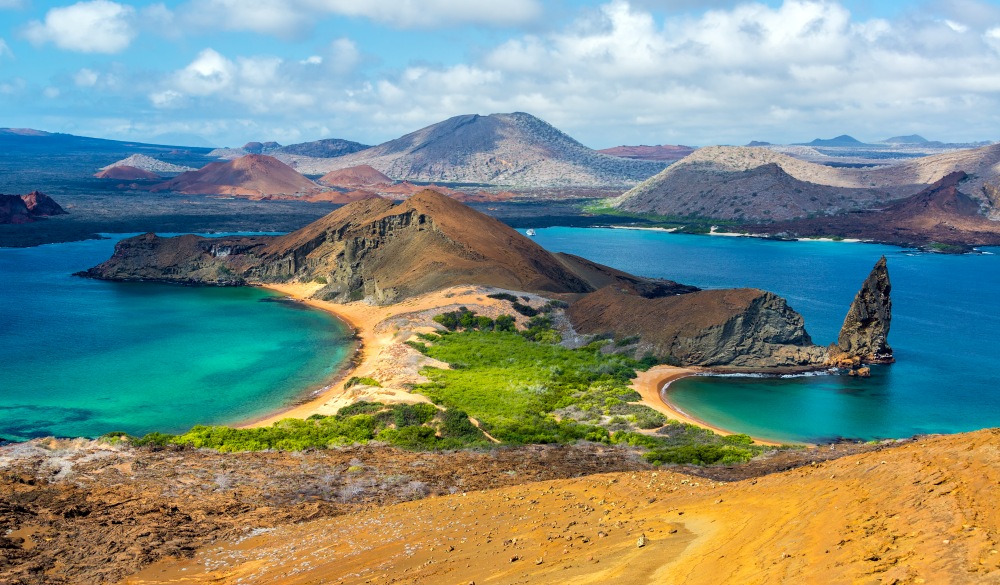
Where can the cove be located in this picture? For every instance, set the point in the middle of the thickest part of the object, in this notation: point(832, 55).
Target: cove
point(83, 357)
point(946, 313)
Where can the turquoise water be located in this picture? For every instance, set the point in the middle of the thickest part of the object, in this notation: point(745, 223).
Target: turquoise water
point(946, 315)
point(83, 357)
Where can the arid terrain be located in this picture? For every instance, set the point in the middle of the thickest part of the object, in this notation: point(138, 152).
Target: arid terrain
point(912, 512)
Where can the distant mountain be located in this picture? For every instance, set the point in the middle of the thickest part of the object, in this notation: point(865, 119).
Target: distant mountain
point(147, 163)
point(354, 178)
point(326, 148)
point(663, 152)
point(911, 139)
point(254, 175)
point(727, 182)
point(500, 149)
point(758, 143)
point(941, 213)
point(842, 140)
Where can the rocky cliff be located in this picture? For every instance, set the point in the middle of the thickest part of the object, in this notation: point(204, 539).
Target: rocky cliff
point(864, 336)
point(736, 328)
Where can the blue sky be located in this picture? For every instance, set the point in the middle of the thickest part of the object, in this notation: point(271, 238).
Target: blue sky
point(224, 72)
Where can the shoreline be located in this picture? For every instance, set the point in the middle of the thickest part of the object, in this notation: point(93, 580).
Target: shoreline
point(380, 333)
point(380, 353)
point(650, 383)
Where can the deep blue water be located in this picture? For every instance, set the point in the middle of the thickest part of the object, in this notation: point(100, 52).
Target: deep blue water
point(83, 357)
point(946, 319)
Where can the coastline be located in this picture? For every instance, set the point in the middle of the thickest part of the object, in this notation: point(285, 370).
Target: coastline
point(649, 383)
point(380, 353)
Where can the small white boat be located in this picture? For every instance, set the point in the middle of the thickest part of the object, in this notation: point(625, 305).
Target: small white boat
point(530, 232)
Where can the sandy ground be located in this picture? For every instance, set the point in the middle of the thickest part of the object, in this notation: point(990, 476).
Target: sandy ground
point(649, 383)
point(922, 512)
point(383, 354)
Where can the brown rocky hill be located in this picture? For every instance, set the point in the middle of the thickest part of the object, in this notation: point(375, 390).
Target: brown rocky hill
point(761, 184)
point(127, 173)
point(252, 175)
point(21, 209)
point(941, 213)
point(357, 177)
point(515, 149)
point(734, 328)
point(384, 253)
point(921, 512)
point(664, 152)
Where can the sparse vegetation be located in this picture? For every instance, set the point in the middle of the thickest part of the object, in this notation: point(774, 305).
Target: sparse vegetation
point(408, 426)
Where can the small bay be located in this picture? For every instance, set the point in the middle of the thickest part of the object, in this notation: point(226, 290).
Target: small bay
point(84, 357)
point(946, 314)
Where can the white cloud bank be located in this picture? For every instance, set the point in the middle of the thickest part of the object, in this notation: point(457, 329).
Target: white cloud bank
point(98, 26)
point(287, 18)
point(618, 74)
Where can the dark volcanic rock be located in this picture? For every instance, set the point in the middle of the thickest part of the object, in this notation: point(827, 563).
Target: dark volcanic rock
point(866, 329)
point(20, 209)
point(736, 328)
point(39, 203)
point(13, 210)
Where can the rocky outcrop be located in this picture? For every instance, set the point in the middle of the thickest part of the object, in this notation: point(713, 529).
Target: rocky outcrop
point(40, 204)
point(864, 336)
point(735, 328)
point(20, 209)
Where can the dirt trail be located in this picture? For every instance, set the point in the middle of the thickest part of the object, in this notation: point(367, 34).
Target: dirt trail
point(924, 512)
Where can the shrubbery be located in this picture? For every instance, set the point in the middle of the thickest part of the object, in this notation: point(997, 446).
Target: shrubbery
point(409, 426)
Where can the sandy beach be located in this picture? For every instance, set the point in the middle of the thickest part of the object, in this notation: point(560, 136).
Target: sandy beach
point(649, 383)
point(383, 355)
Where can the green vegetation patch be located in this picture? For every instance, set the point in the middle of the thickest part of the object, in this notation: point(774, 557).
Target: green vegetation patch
point(524, 388)
point(408, 426)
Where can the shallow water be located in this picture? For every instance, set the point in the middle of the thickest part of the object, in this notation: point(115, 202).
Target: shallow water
point(83, 357)
point(946, 315)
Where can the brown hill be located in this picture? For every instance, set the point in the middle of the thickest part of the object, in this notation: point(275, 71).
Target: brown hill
point(126, 173)
point(761, 184)
point(735, 328)
point(941, 213)
point(920, 512)
point(21, 209)
point(357, 177)
point(252, 175)
point(368, 249)
point(663, 152)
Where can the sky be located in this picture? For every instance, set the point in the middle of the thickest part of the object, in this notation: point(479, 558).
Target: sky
point(225, 72)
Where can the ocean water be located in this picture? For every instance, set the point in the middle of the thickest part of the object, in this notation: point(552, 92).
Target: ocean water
point(946, 319)
point(81, 357)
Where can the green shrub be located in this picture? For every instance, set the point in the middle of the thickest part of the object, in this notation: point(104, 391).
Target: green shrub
point(503, 297)
point(361, 381)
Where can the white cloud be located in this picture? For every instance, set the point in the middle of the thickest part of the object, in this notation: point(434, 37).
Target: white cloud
point(288, 18)
point(622, 74)
point(51, 92)
point(5, 50)
point(98, 26)
point(11, 3)
point(86, 78)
